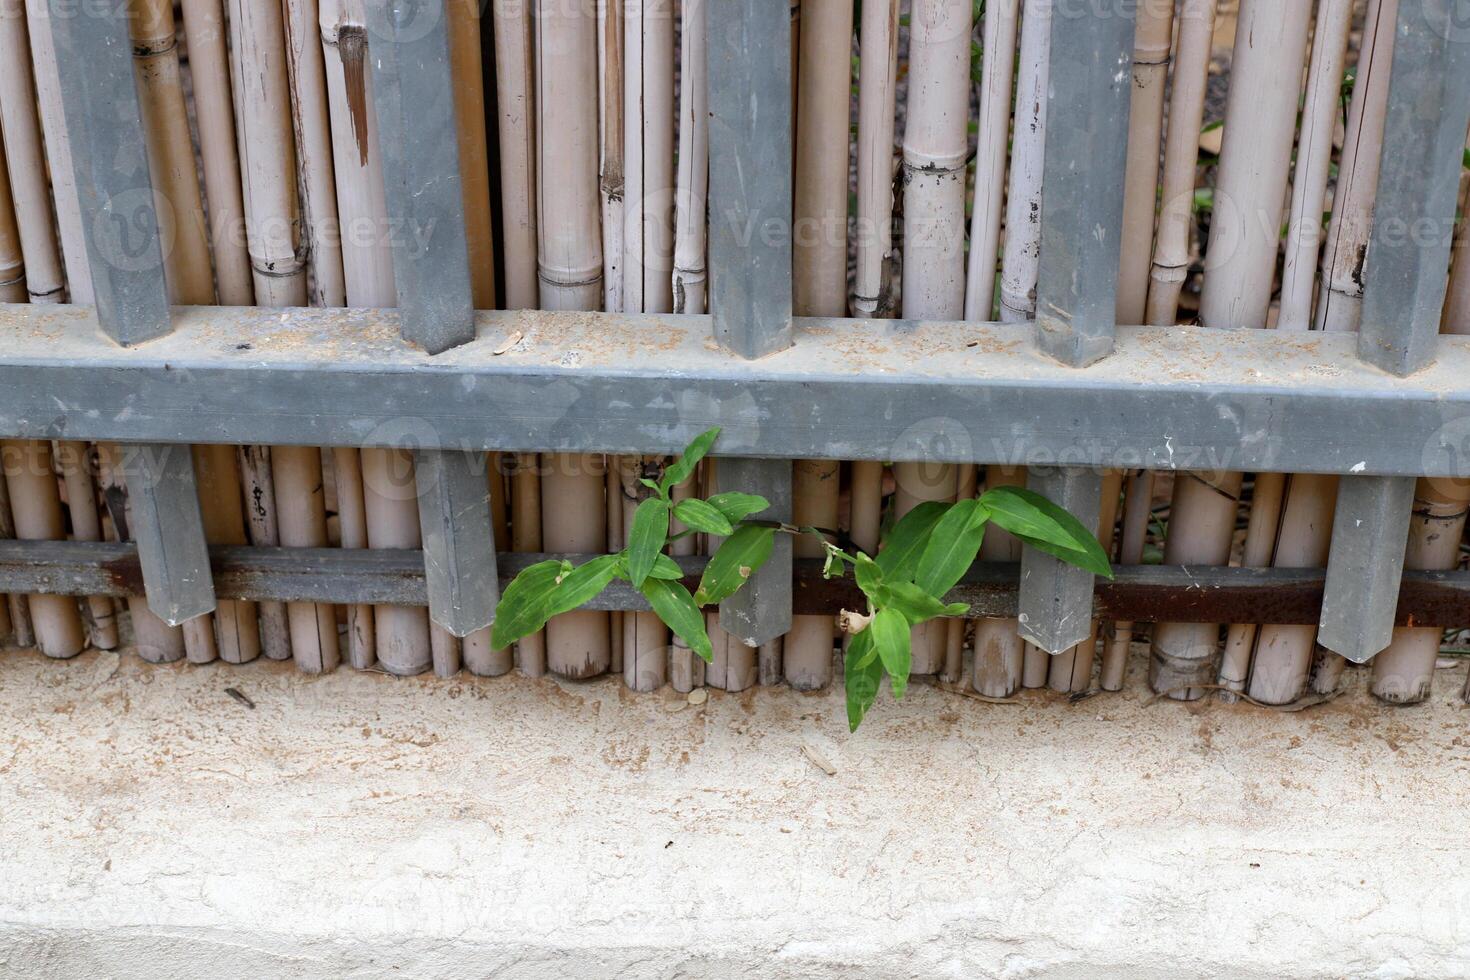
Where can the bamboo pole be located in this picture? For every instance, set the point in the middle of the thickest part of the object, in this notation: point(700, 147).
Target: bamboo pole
point(474, 150)
point(570, 271)
point(648, 148)
point(733, 667)
point(12, 261)
point(480, 658)
point(263, 530)
point(515, 101)
point(1002, 20)
point(1313, 163)
point(311, 125)
point(401, 633)
point(1181, 155)
point(10, 630)
point(967, 484)
point(362, 635)
point(1021, 261)
point(645, 638)
point(819, 282)
point(209, 71)
point(1153, 40)
point(36, 506)
point(1071, 670)
point(1282, 662)
point(617, 540)
point(692, 180)
point(33, 270)
point(156, 641)
point(86, 525)
point(525, 536)
point(217, 470)
point(999, 649)
point(1269, 58)
point(686, 669)
point(1260, 549)
point(877, 103)
point(1339, 304)
point(302, 518)
point(1137, 512)
point(615, 86)
point(935, 152)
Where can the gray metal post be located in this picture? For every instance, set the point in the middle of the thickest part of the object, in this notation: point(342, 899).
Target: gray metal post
point(1055, 602)
point(169, 530)
point(1369, 536)
point(95, 68)
point(1403, 296)
point(750, 195)
point(413, 91)
point(762, 610)
point(95, 65)
point(1082, 200)
point(1418, 186)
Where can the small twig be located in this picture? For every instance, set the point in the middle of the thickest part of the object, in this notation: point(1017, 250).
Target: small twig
point(1301, 704)
point(976, 695)
point(232, 692)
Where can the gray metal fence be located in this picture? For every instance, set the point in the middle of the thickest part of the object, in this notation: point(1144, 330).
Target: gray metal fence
point(1075, 391)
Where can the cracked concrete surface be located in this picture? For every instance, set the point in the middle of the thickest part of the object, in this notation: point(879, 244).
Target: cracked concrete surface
point(358, 825)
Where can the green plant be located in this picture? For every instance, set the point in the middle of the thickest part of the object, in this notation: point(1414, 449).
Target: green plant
point(924, 555)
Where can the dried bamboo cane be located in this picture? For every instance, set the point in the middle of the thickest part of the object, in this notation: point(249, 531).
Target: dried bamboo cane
point(36, 505)
point(692, 181)
point(36, 21)
point(301, 514)
point(967, 484)
point(999, 650)
point(1153, 40)
point(615, 84)
point(648, 156)
point(1022, 257)
point(86, 525)
point(570, 268)
point(1270, 55)
point(12, 261)
point(877, 103)
point(819, 283)
point(734, 666)
point(35, 268)
point(474, 151)
point(515, 100)
point(1181, 154)
point(1313, 164)
point(156, 641)
point(401, 633)
point(1071, 670)
point(686, 669)
point(1002, 19)
point(263, 529)
point(935, 152)
point(362, 637)
point(1260, 549)
point(209, 70)
point(1403, 673)
point(9, 634)
point(1137, 511)
point(617, 540)
point(218, 473)
point(1339, 304)
point(525, 536)
point(311, 125)
point(1282, 663)
point(480, 658)
point(645, 638)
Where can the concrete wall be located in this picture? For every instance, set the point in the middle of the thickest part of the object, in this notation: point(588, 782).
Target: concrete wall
point(361, 826)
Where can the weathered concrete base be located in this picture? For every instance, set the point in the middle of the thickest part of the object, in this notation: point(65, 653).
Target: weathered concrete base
point(359, 825)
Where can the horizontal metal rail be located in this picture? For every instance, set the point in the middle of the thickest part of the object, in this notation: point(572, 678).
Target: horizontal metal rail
point(1139, 593)
point(1167, 399)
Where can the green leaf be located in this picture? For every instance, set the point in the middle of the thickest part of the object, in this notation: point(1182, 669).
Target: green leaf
point(952, 548)
point(891, 635)
point(702, 516)
point(582, 584)
point(675, 606)
point(682, 467)
point(900, 555)
point(525, 606)
point(737, 506)
point(916, 605)
point(666, 568)
point(735, 562)
point(869, 576)
point(646, 539)
point(1047, 527)
point(861, 676)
